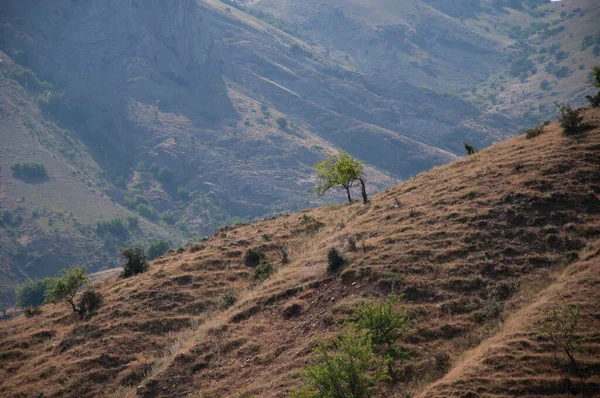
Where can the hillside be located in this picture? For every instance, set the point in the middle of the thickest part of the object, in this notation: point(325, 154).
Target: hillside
point(477, 247)
point(193, 115)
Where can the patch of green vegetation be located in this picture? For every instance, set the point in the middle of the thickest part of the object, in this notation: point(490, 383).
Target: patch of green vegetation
point(28, 79)
point(157, 249)
point(29, 170)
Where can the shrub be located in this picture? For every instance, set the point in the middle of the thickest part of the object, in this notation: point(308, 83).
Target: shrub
point(28, 79)
point(471, 150)
point(471, 194)
point(66, 285)
point(263, 271)
point(157, 249)
point(385, 324)
point(165, 175)
point(335, 261)
point(282, 123)
point(348, 370)
point(572, 256)
point(594, 82)
point(252, 257)
point(89, 302)
point(31, 293)
point(32, 170)
point(30, 312)
point(196, 247)
point(534, 132)
point(570, 119)
point(135, 262)
point(491, 308)
point(228, 299)
point(560, 327)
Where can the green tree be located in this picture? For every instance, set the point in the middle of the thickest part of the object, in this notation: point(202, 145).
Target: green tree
point(348, 370)
point(65, 286)
point(31, 293)
point(340, 170)
point(560, 327)
point(157, 249)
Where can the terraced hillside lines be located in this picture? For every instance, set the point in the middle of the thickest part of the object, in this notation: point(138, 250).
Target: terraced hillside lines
point(517, 362)
point(472, 246)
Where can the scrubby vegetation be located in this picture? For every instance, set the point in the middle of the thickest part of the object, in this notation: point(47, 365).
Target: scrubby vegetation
point(29, 170)
point(135, 262)
point(115, 227)
point(570, 120)
point(594, 100)
point(263, 271)
point(335, 261)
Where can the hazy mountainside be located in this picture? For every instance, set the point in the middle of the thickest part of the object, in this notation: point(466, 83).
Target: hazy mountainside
point(479, 248)
point(50, 222)
point(197, 114)
point(495, 54)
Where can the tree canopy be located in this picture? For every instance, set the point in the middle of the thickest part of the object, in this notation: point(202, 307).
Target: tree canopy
point(65, 286)
point(340, 170)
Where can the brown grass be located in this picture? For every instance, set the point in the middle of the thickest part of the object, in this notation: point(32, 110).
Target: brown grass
point(452, 254)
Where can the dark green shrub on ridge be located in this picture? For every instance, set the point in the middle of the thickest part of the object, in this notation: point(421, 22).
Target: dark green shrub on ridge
point(335, 261)
point(33, 170)
point(135, 262)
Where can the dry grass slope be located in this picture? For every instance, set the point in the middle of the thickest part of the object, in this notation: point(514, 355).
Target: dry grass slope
point(475, 247)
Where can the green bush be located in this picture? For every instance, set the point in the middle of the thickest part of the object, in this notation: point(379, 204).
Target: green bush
point(534, 132)
point(470, 150)
point(31, 293)
point(572, 256)
point(133, 222)
point(263, 271)
point(33, 170)
point(135, 262)
point(545, 85)
point(252, 257)
point(349, 369)
point(385, 324)
point(570, 120)
point(594, 82)
point(335, 261)
point(228, 299)
point(157, 249)
point(282, 123)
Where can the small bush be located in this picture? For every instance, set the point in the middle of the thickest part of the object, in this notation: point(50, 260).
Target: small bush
point(31, 293)
point(196, 247)
point(282, 123)
point(572, 256)
point(471, 150)
point(471, 195)
point(228, 299)
point(135, 262)
point(32, 170)
point(133, 222)
point(491, 308)
point(386, 324)
point(30, 312)
point(115, 227)
point(534, 132)
point(570, 120)
point(66, 285)
point(89, 302)
point(146, 211)
point(335, 261)
point(349, 369)
point(252, 257)
point(263, 271)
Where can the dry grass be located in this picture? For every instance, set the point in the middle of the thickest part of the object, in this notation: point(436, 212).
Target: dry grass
point(456, 258)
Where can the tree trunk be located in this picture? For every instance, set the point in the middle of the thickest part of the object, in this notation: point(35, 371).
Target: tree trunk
point(363, 191)
point(348, 192)
point(73, 305)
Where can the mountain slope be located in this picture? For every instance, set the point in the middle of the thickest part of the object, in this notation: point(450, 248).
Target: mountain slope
point(487, 231)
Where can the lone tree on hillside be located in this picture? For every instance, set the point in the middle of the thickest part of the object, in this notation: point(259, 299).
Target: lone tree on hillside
point(340, 170)
point(595, 82)
point(66, 285)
